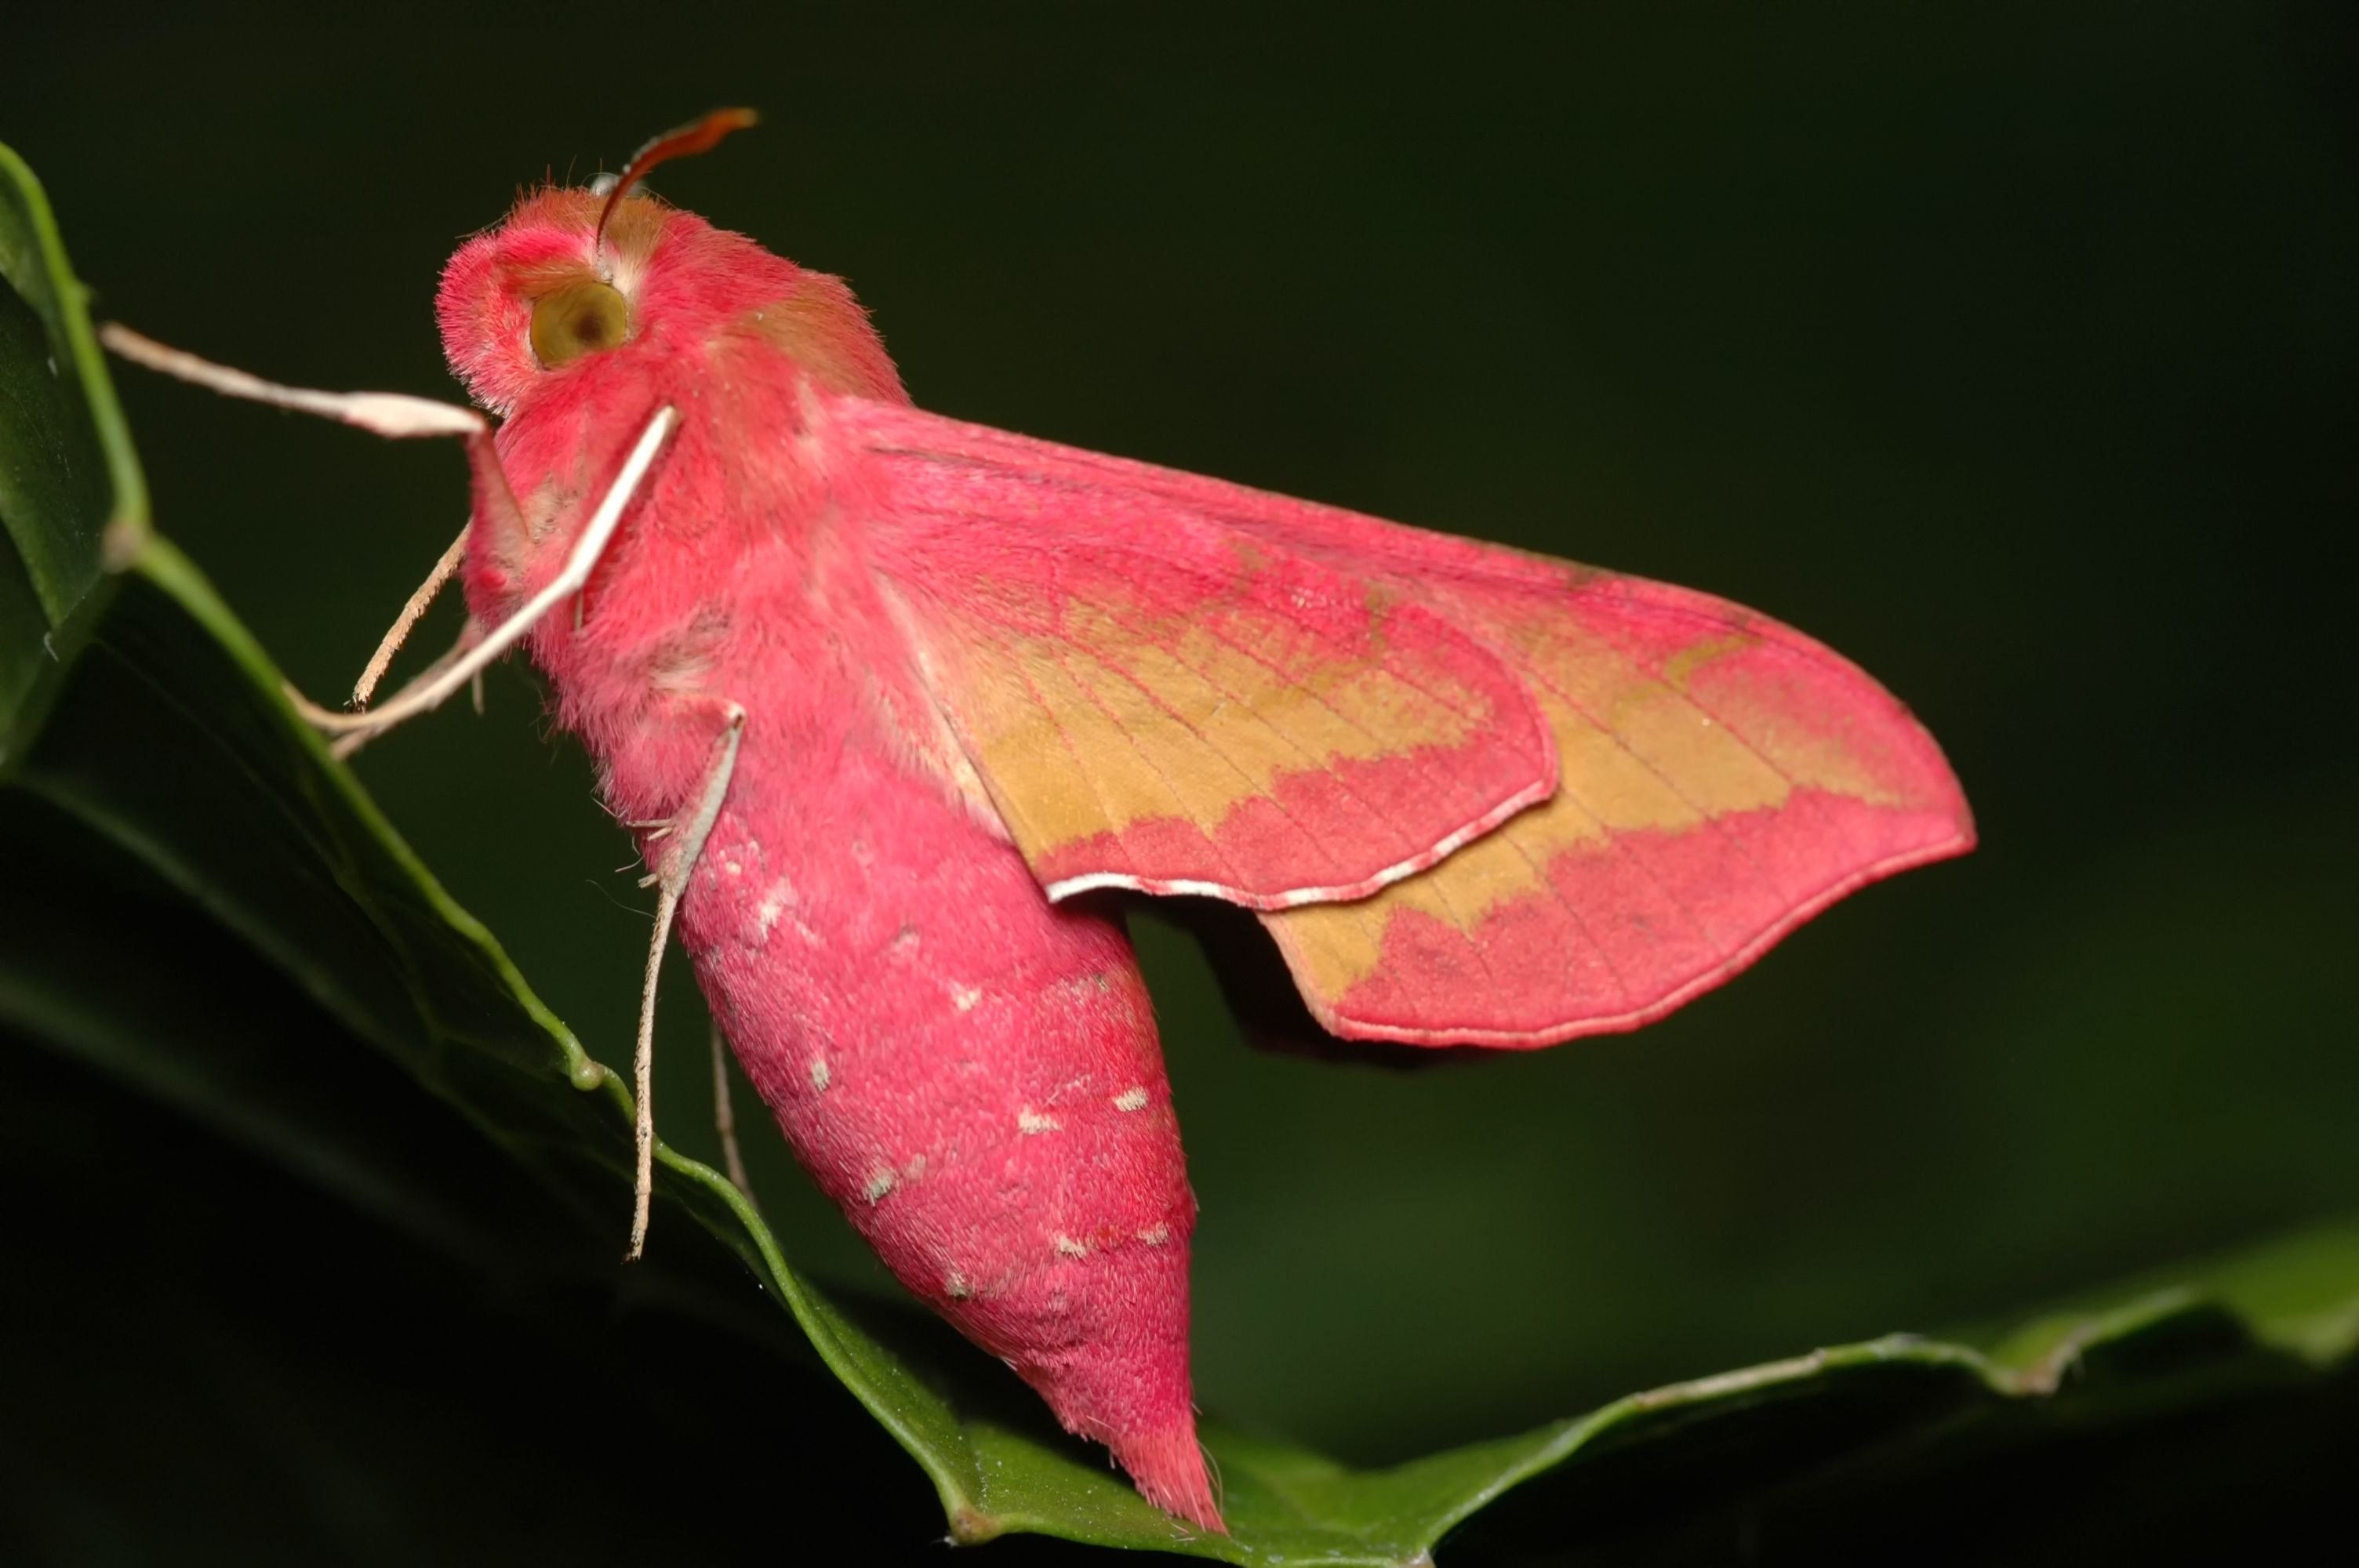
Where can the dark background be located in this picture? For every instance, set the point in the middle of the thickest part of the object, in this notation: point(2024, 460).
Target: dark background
point(2009, 349)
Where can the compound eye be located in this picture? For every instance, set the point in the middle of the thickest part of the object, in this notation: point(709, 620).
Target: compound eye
point(578, 318)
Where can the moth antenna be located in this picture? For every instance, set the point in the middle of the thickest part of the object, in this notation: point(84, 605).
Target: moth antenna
point(684, 141)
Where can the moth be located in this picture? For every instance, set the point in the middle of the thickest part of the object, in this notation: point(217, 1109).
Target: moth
point(881, 693)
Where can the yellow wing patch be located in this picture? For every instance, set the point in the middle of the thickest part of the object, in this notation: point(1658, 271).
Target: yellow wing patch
point(1700, 812)
point(1278, 735)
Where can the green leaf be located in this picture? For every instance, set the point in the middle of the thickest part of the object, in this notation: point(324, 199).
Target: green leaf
point(70, 488)
point(153, 765)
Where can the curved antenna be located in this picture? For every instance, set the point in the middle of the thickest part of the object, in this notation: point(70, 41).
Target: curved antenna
point(684, 141)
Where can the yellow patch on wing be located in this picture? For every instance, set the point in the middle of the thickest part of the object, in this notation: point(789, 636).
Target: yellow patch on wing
point(1294, 735)
point(1698, 807)
point(1105, 726)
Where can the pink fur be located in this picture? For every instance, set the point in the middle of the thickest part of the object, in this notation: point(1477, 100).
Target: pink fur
point(970, 1069)
point(971, 1072)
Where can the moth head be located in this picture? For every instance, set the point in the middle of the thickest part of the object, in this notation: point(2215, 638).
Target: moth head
point(580, 285)
point(546, 293)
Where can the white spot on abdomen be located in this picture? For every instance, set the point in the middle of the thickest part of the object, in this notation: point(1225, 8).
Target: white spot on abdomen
point(1131, 1098)
point(880, 1182)
point(820, 1074)
point(963, 997)
point(1156, 1234)
point(1071, 1246)
point(1030, 1122)
point(956, 1287)
point(774, 904)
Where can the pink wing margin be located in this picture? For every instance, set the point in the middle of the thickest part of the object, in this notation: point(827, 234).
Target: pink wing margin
point(1719, 777)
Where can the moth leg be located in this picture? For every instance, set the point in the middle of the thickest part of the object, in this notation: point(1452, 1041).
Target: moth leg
point(724, 1118)
point(343, 746)
point(684, 844)
point(399, 633)
point(570, 580)
point(394, 414)
point(390, 414)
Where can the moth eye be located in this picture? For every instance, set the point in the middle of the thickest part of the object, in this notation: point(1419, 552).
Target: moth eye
point(578, 318)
